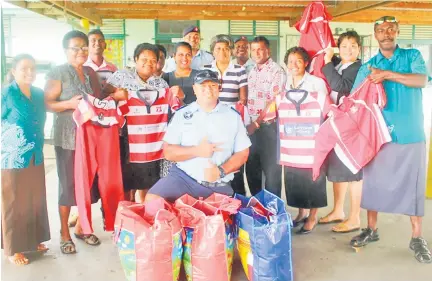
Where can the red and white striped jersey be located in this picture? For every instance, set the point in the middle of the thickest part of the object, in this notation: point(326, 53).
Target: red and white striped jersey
point(356, 129)
point(300, 115)
point(104, 112)
point(147, 123)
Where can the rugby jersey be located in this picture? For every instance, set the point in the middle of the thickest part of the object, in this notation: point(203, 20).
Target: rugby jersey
point(355, 129)
point(300, 115)
point(147, 121)
point(232, 80)
point(103, 113)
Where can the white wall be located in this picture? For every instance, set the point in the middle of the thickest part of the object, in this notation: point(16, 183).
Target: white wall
point(137, 32)
point(210, 28)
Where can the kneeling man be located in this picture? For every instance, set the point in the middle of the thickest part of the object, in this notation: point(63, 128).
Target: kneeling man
point(208, 142)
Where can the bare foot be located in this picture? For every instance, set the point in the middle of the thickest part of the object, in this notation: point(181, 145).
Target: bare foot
point(19, 259)
point(73, 218)
point(332, 218)
point(42, 248)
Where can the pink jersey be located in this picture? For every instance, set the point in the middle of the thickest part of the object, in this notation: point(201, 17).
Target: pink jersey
point(104, 112)
point(316, 35)
point(355, 129)
point(147, 121)
point(300, 115)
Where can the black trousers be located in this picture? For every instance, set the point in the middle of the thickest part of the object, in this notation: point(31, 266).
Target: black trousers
point(263, 157)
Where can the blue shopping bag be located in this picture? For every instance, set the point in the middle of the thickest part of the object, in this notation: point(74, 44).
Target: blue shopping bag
point(263, 229)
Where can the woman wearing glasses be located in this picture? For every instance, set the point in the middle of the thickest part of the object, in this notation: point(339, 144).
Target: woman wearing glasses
point(340, 74)
point(65, 86)
point(301, 110)
point(24, 217)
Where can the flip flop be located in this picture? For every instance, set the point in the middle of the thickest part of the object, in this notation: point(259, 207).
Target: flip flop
point(19, 259)
point(321, 220)
point(90, 239)
point(344, 228)
point(64, 245)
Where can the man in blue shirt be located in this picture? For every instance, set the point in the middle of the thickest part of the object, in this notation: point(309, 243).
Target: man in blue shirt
point(200, 57)
point(208, 142)
point(394, 181)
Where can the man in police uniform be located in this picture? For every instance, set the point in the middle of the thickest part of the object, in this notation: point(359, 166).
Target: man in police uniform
point(200, 57)
point(208, 142)
point(241, 53)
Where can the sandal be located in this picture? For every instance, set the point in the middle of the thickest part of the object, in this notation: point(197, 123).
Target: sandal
point(41, 248)
point(421, 251)
point(90, 239)
point(67, 247)
point(298, 222)
point(19, 259)
point(343, 227)
point(365, 237)
point(325, 220)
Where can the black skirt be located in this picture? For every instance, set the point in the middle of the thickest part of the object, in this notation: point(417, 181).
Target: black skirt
point(302, 191)
point(338, 172)
point(137, 175)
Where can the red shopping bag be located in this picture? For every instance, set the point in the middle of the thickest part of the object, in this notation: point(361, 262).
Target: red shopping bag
point(209, 243)
point(149, 239)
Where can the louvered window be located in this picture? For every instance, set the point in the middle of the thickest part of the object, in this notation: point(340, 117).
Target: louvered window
point(241, 27)
point(415, 32)
point(112, 27)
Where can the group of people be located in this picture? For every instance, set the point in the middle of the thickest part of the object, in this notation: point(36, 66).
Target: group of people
point(224, 122)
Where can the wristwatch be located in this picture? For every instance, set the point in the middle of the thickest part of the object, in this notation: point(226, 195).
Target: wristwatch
point(222, 172)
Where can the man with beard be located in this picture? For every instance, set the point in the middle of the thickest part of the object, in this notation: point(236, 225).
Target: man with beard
point(200, 57)
point(394, 181)
point(241, 53)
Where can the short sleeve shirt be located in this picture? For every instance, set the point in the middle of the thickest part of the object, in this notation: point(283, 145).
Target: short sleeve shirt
point(71, 85)
point(224, 125)
point(404, 110)
point(104, 71)
point(22, 125)
point(263, 84)
point(198, 61)
point(185, 83)
point(233, 79)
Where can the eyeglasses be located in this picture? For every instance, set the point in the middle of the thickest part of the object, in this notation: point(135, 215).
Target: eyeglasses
point(77, 49)
point(386, 19)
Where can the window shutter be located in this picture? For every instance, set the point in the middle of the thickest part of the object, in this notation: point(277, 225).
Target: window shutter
point(241, 27)
point(267, 27)
point(112, 27)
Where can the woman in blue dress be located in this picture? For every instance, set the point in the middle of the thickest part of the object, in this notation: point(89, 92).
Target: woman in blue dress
point(24, 217)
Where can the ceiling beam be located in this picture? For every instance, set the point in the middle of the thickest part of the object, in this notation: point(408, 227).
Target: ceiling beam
point(348, 7)
point(213, 2)
point(345, 8)
point(189, 8)
point(404, 17)
point(205, 15)
point(76, 10)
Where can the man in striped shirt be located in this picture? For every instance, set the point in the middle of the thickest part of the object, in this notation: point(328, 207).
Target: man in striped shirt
point(265, 81)
point(233, 78)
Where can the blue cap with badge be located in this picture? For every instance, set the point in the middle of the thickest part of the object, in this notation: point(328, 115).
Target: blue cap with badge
point(206, 75)
point(190, 29)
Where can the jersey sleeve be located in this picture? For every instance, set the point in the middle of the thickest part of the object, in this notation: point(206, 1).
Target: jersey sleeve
point(173, 132)
point(325, 141)
point(84, 112)
point(242, 140)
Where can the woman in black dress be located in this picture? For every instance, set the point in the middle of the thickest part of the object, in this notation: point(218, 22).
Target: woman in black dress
point(340, 74)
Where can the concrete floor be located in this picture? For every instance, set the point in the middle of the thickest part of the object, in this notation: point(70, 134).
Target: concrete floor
point(319, 256)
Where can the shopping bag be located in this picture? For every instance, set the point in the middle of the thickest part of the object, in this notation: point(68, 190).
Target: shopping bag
point(149, 240)
point(263, 230)
point(209, 243)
